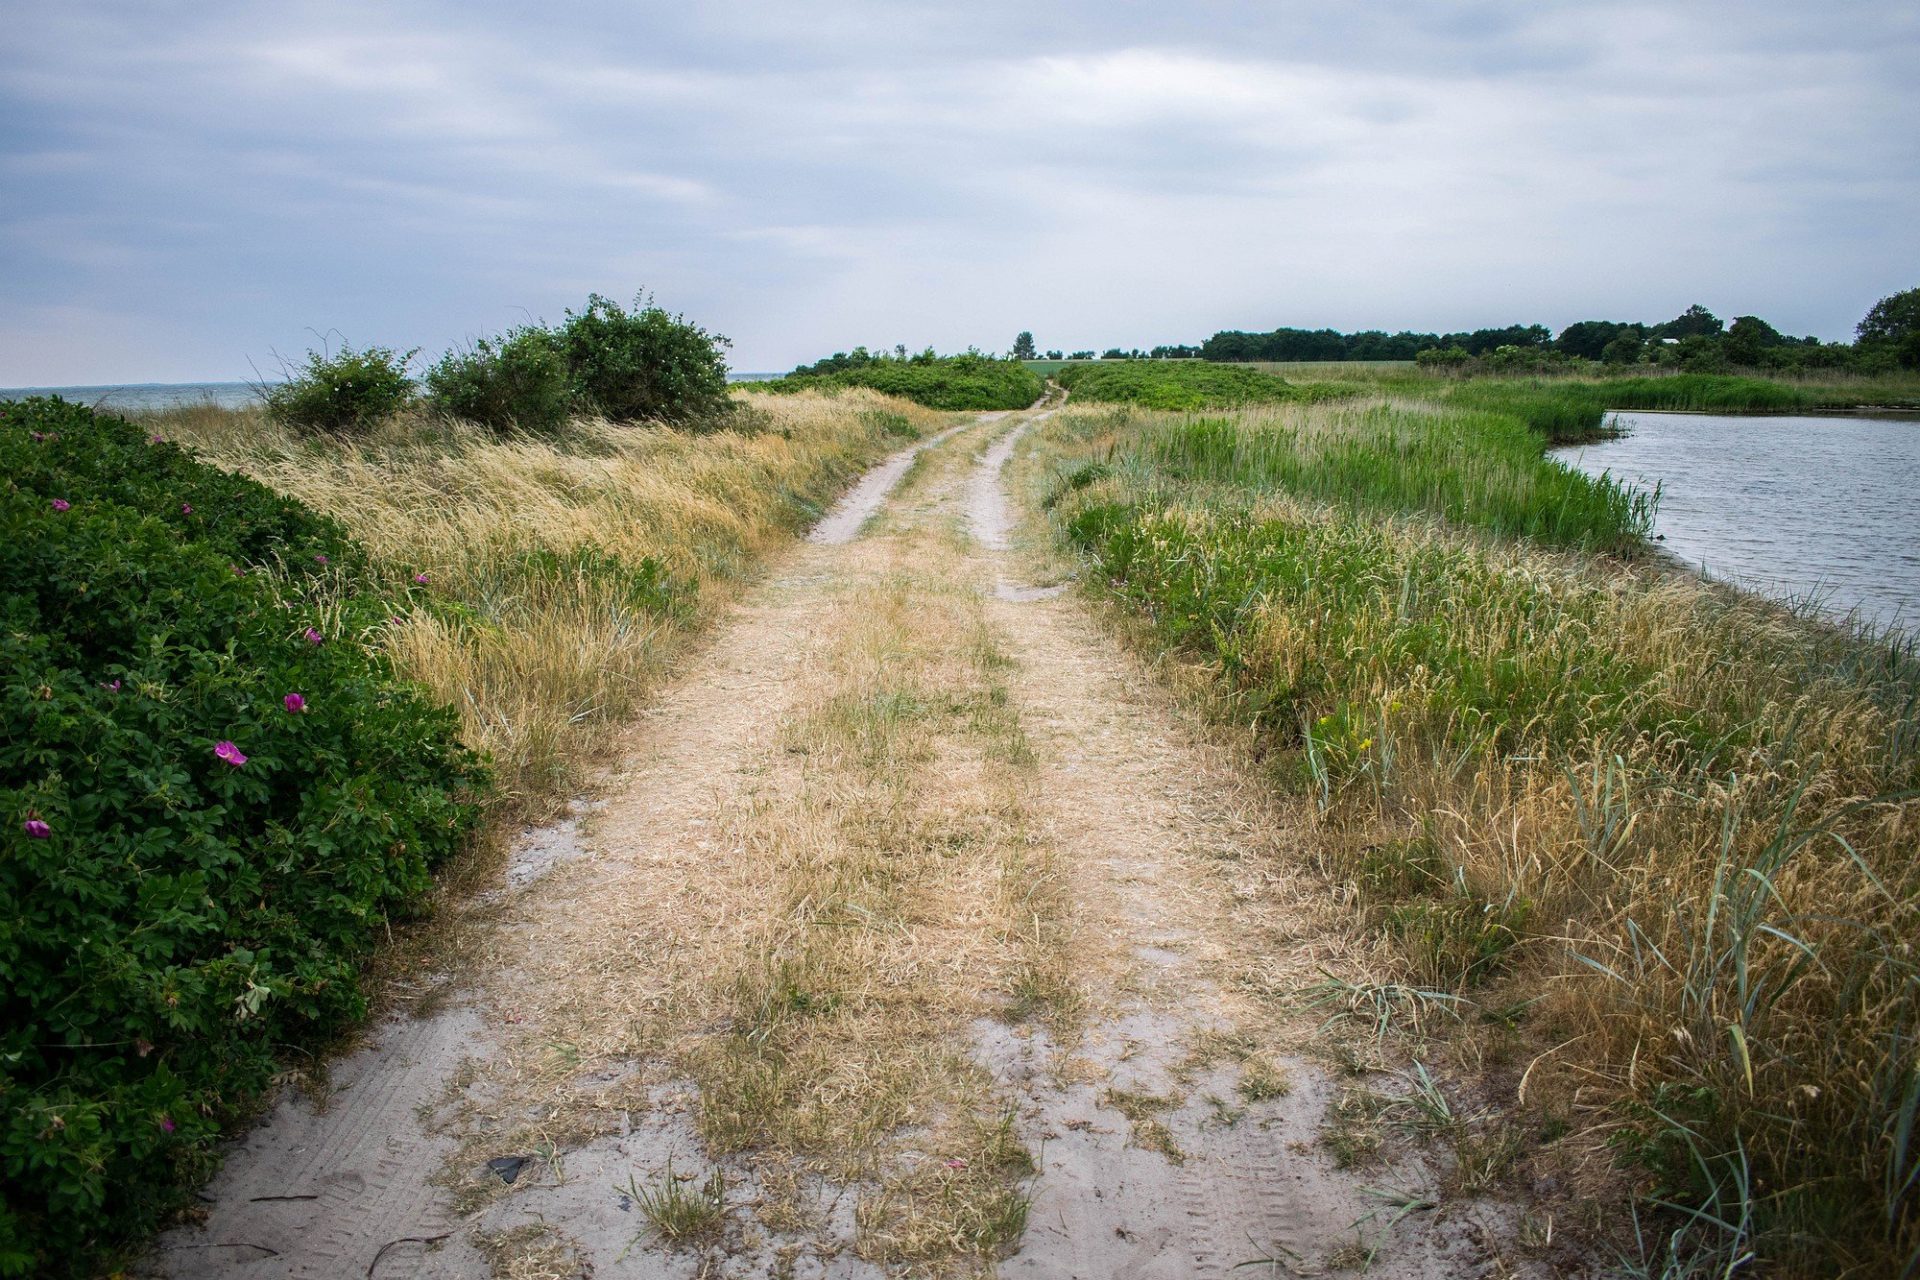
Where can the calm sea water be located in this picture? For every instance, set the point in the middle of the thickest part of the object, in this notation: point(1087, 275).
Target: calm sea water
point(1801, 508)
point(146, 395)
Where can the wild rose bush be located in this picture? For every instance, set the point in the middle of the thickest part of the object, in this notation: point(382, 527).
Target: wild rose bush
point(213, 793)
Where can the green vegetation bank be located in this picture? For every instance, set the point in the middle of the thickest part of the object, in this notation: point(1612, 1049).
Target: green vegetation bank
point(1638, 849)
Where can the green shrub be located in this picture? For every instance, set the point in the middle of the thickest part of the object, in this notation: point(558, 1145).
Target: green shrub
point(347, 392)
point(890, 423)
point(1167, 384)
point(970, 381)
point(106, 460)
point(516, 381)
point(1563, 412)
point(644, 365)
point(192, 858)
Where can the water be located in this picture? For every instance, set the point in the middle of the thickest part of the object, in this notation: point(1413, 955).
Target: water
point(1800, 508)
point(127, 397)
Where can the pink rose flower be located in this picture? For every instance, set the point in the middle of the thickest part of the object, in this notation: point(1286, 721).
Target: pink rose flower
point(420, 578)
point(229, 753)
point(314, 637)
point(166, 1124)
point(61, 504)
point(294, 703)
point(37, 829)
point(320, 558)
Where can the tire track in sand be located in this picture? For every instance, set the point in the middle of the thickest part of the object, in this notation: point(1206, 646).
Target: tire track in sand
point(1150, 826)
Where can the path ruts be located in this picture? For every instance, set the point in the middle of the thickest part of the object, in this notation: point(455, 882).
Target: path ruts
point(1151, 1161)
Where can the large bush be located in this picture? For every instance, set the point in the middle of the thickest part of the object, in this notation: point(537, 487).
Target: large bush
point(519, 380)
point(342, 392)
point(212, 795)
point(644, 365)
point(967, 381)
point(1891, 328)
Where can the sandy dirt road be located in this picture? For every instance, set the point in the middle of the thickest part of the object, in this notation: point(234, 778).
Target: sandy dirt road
point(918, 934)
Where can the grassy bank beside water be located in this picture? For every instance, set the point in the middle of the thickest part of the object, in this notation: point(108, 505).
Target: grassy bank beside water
point(1640, 850)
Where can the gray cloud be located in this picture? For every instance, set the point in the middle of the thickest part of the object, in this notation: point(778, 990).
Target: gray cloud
point(185, 188)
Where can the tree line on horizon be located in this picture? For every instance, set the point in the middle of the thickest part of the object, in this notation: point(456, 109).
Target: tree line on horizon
point(1696, 340)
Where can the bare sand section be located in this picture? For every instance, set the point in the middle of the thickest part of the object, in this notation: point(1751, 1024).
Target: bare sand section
point(343, 1187)
point(862, 502)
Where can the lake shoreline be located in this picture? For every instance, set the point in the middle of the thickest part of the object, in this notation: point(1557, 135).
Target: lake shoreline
point(1735, 508)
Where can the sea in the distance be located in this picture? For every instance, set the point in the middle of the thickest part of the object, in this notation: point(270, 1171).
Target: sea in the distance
point(131, 396)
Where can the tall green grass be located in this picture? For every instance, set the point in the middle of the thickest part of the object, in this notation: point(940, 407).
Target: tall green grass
point(1663, 832)
point(1481, 469)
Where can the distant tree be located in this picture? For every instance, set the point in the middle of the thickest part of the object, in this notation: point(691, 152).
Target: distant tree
point(1023, 348)
point(1893, 325)
point(1081, 355)
point(1113, 353)
point(1749, 338)
point(1701, 353)
point(899, 351)
point(1625, 348)
point(1588, 339)
point(1053, 355)
point(1695, 322)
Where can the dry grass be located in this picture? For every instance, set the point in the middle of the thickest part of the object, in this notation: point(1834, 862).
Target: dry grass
point(563, 571)
point(901, 890)
point(819, 873)
point(1667, 833)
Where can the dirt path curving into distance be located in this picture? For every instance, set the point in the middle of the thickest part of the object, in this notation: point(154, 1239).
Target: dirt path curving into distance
point(919, 934)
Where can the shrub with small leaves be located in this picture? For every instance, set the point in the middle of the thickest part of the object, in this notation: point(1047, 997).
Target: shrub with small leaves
point(345, 392)
point(193, 856)
point(645, 365)
point(518, 381)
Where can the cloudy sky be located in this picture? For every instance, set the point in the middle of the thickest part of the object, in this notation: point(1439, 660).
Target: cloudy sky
point(188, 188)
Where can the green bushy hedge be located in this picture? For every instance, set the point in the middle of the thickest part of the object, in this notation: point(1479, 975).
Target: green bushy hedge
point(344, 392)
point(1168, 384)
point(644, 365)
point(967, 381)
point(519, 380)
point(212, 794)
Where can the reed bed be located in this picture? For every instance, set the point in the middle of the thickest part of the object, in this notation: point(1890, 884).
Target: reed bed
point(556, 575)
point(1646, 844)
point(1478, 468)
